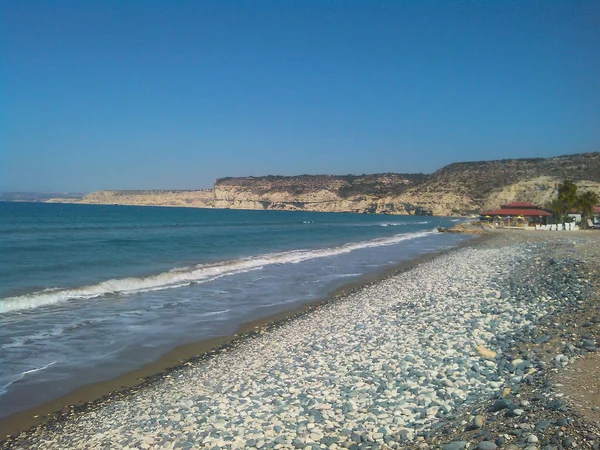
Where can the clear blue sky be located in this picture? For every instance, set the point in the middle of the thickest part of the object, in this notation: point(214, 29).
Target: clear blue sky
point(172, 94)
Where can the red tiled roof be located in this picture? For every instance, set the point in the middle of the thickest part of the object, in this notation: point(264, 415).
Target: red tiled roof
point(597, 209)
point(516, 212)
point(520, 205)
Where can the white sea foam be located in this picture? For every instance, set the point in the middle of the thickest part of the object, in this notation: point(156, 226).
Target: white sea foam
point(23, 374)
point(216, 313)
point(399, 224)
point(388, 224)
point(42, 336)
point(39, 336)
point(185, 276)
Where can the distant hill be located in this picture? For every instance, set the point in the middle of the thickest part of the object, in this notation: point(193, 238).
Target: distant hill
point(471, 186)
point(456, 189)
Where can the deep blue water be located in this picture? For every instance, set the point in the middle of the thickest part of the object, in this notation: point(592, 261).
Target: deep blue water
point(88, 292)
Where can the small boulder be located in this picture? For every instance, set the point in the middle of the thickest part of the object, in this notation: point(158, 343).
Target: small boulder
point(478, 421)
point(501, 404)
point(456, 445)
point(485, 352)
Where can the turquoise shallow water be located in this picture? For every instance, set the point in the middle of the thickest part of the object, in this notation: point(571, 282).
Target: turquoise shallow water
point(88, 292)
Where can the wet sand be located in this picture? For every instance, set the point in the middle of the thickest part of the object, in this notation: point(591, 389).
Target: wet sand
point(92, 395)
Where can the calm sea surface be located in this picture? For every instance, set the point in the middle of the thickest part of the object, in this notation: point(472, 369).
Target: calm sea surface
point(88, 292)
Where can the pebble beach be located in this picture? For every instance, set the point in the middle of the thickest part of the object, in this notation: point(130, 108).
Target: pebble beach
point(457, 352)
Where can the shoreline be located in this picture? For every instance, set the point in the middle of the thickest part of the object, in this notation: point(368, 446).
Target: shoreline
point(229, 208)
point(90, 396)
point(400, 363)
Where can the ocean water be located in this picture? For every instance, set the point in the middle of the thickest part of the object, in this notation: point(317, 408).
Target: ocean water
point(89, 292)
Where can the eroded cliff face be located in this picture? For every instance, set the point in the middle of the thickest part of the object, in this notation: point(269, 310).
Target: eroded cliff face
point(539, 191)
point(456, 189)
point(364, 193)
point(199, 199)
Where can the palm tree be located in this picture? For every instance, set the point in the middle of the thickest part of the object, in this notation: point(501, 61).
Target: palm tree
point(565, 201)
point(558, 207)
point(586, 202)
point(567, 193)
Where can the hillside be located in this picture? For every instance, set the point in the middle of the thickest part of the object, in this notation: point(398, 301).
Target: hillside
point(459, 188)
point(471, 186)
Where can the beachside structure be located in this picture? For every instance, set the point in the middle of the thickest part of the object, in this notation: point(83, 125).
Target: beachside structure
point(577, 216)
point(518, 213)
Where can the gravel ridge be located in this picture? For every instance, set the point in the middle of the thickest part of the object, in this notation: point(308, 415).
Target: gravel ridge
point(414, 361)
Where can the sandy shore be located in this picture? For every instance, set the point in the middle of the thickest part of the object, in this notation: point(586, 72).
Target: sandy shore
point(385, 363)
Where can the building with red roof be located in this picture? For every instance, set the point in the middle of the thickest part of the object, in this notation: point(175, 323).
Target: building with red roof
point(521, 205)
point(514, 212)
point(519, 210)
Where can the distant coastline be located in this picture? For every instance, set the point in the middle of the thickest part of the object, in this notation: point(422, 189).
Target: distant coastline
point(39, 197)
point(457, 189)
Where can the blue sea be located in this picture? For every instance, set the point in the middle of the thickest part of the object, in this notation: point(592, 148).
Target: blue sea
point(89, 292)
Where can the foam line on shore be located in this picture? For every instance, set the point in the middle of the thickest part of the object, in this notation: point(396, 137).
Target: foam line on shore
point(181, 277)
point(24, 374)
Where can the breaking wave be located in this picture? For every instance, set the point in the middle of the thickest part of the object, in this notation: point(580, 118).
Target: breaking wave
point(186, 276)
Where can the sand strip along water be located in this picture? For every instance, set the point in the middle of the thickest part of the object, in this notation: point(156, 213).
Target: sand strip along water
point(87, 396)
point(380, 366)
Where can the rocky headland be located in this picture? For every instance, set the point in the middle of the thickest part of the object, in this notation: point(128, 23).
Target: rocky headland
point(456, 189)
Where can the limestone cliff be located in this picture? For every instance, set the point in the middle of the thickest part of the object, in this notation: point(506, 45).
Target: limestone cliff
point(456, 189)
point(199, 198)
point(365, 193)
point(460, 188)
